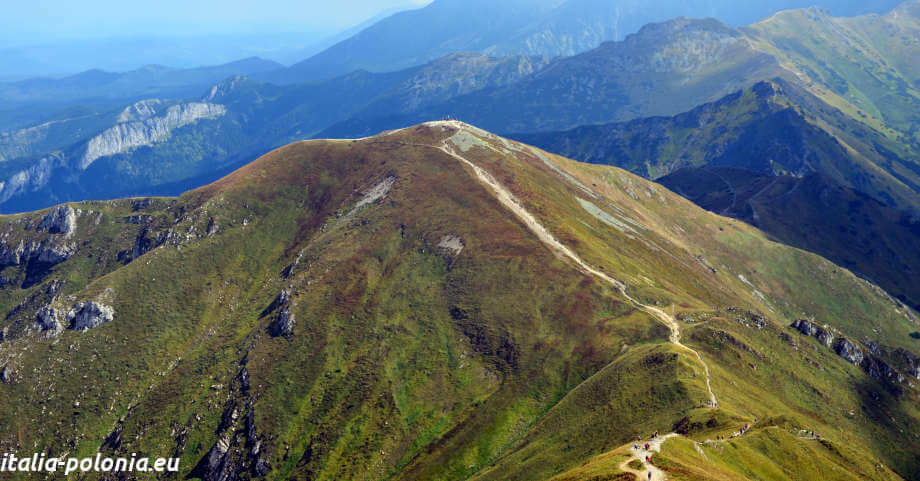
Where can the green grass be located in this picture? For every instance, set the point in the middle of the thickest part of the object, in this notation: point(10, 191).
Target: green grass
point(409, 362)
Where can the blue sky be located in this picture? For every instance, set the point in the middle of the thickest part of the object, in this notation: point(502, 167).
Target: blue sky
point(43, 21)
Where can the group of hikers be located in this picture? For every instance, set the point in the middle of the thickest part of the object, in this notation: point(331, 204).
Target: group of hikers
point(647, 445)
point(735, 434)
point(647, 449)
point(812, 433)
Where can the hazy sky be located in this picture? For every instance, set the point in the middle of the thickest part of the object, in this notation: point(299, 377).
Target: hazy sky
point(40, 21)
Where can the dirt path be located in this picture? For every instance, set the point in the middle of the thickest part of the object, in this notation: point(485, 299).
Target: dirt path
point(507, 199)
point(641, 453)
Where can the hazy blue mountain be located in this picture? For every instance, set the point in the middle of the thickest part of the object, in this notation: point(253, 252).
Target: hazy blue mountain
point(664, 69)
point(168, 146)
point(150, 81)
point(773, 128)
point(525, 27)
point(59, 58)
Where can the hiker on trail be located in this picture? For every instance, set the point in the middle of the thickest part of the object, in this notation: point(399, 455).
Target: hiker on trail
point(649, 475)
point(646, 446)
point(635, 446)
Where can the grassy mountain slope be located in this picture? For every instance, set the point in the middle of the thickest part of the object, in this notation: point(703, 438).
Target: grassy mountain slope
point(750, 154)
point(372, 309)
point(774, 128)
point(866, 66)
point(816, 214)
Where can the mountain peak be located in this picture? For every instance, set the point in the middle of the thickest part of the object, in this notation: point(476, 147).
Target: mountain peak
point(227, 87)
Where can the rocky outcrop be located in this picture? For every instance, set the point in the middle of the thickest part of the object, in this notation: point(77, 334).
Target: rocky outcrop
point(31, 179)
point(238, 452)
point(283, 324)
point(141, 110)
point(48, 320)
point(868, 360)
point(225, 88)
point(60, 220)
point(911, 361)
point(451, 243)
point(849, 351)
point(23, 142)
point(48, 251)
point(88, 315)
point(880, 370)
point(145, 125)
point(144, 243)
point(811, 329)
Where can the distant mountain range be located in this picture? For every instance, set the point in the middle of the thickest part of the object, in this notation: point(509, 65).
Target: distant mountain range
point(663, 70)
point(115, 152)
point(524, 27)
point(96, 86)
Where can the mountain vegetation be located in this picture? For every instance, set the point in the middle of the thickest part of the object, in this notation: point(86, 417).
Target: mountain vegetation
point(782, 160)
point(442, 303)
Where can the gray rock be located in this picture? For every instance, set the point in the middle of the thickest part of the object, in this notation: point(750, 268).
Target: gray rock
point(60, 220)
point(283, 325)
point(48, 319)
point(880, 370)
point(88, 315)
point(825, 337)
point(811, 329)
point(51, 252)
point(140, 204)
point(54, 287)
point(144, 126)
point(805, 327)
point(138, 219)
point(912, 361)
point(48, 251)
point(849, 351)
point(31, 179)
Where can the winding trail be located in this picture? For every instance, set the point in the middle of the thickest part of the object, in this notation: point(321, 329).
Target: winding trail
point(506, 198)
point(654, 446)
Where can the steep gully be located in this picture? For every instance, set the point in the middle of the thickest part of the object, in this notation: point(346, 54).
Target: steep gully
point(507, 199)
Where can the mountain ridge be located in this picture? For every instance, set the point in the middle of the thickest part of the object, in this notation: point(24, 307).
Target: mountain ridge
point(303, 292)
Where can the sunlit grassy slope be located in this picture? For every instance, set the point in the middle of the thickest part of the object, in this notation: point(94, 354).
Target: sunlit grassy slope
point(434, 336)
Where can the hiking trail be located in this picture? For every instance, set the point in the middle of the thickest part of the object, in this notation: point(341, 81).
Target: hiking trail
point(507, 199)
point(654, 446)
